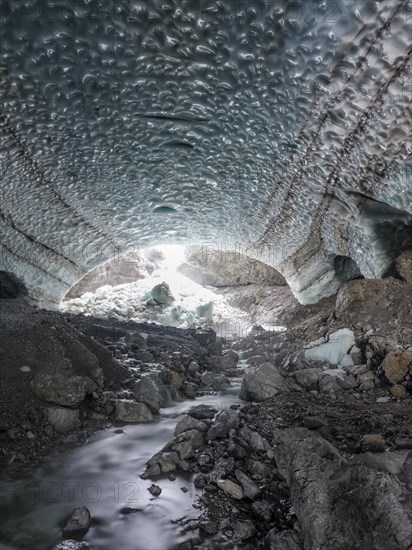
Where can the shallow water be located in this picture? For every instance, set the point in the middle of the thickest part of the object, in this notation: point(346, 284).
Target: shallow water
point(104, 476)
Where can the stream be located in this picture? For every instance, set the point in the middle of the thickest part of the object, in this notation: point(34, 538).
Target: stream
point(103, 474)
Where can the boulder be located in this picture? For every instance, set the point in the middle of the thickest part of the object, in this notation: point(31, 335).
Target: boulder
point(250, 489)
point(79, 522)
point(244, 529)
point(374, 443)
point(131, 412)
point(146, 391)
point(186, 443)
point(320, 478)
point(202, 412)
point(308, 378)
point(404, 266)
point(366, 380)
point(263, 382)
point(190, 423)
point(63, 420)
point(396, 366)
point(399, 392)
point(167, 461)
point(217, 381)
point(67, 391)
point(223, 468)
point(224, 421)
point(230, 488)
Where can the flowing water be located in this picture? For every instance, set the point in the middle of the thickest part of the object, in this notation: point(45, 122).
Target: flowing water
point(103, 475)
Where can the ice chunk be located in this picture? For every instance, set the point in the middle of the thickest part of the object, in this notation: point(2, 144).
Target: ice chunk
point(340, 342)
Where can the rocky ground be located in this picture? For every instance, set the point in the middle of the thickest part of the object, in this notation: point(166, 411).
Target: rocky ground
point(318, 456)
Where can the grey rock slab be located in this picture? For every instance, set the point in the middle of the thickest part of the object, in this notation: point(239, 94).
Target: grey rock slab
point(146, 391)
point(67, 391)
point(189, 423)
point(308, 378)
point(129, 411)
point(230, 488)
point(264, 382)
point(320, 479)
point(63, 420)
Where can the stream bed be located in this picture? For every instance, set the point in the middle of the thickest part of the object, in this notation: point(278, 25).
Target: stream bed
point(103, 474)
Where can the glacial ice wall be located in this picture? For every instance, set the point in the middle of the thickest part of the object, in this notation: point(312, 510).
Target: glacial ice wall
point(279, 127)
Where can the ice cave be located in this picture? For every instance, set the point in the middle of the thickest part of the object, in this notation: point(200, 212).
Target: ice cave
point(206, 274)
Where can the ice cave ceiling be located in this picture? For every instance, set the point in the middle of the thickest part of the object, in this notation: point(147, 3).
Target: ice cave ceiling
point(279, 127)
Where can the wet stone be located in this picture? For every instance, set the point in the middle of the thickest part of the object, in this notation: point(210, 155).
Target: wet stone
point(155, 490)
point(79, 522)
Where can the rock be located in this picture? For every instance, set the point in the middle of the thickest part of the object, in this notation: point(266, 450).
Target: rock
point(223, 468)
point(216, 381)
point(314, 422)
point(263, 382)
point(224, 422)
point(190, 389)
point(285, 540)
point(209, 527)
point(63, 420)
point(373, 443)
point(256, 360)
point(340, 342)
point(356, 354)
point(396, 366)
point(129, 411)
point(146, 391)
point(67, 391)
point(167, 461)
point(258, 443)
point(70, 544)
point(175, 380)
point(104, 403)
point(308, 378)
point(391, 462)
point(250, 489)
point(227, 362)
point(404, 265)
point(357, 369)
point(366, 380)
point(161, 295)
point(204, 336)
point(399, 392)
point(79, 522)
point(332, 383)
point(154, 490)
point(186, 443)
point(318, 475)
point(244, 529)
point(259, 470)
point(262, 509)
point(201, 412)
point(236, 449)
point(200, 481)
point(230, 488)
point(189, 423)
point(151, 472)
point(126, 510)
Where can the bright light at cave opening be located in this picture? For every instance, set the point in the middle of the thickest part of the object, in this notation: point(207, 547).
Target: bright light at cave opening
point(180, 302)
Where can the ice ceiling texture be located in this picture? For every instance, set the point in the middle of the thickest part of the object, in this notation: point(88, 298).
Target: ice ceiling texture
point(281, 127)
